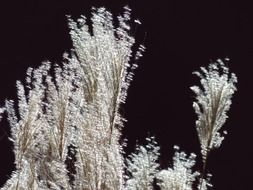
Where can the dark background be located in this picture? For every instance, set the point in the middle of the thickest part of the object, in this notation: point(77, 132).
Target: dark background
point(181, 36)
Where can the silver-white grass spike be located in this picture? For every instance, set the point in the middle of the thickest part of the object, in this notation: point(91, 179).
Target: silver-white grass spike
point(29, 77)
point(213, 100)
point(12, 118)
point(142, 166)
point(22, 101)
point(104, 57)
point(180, 176)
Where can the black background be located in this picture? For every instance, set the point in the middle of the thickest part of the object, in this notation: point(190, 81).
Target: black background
point(181, 36)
